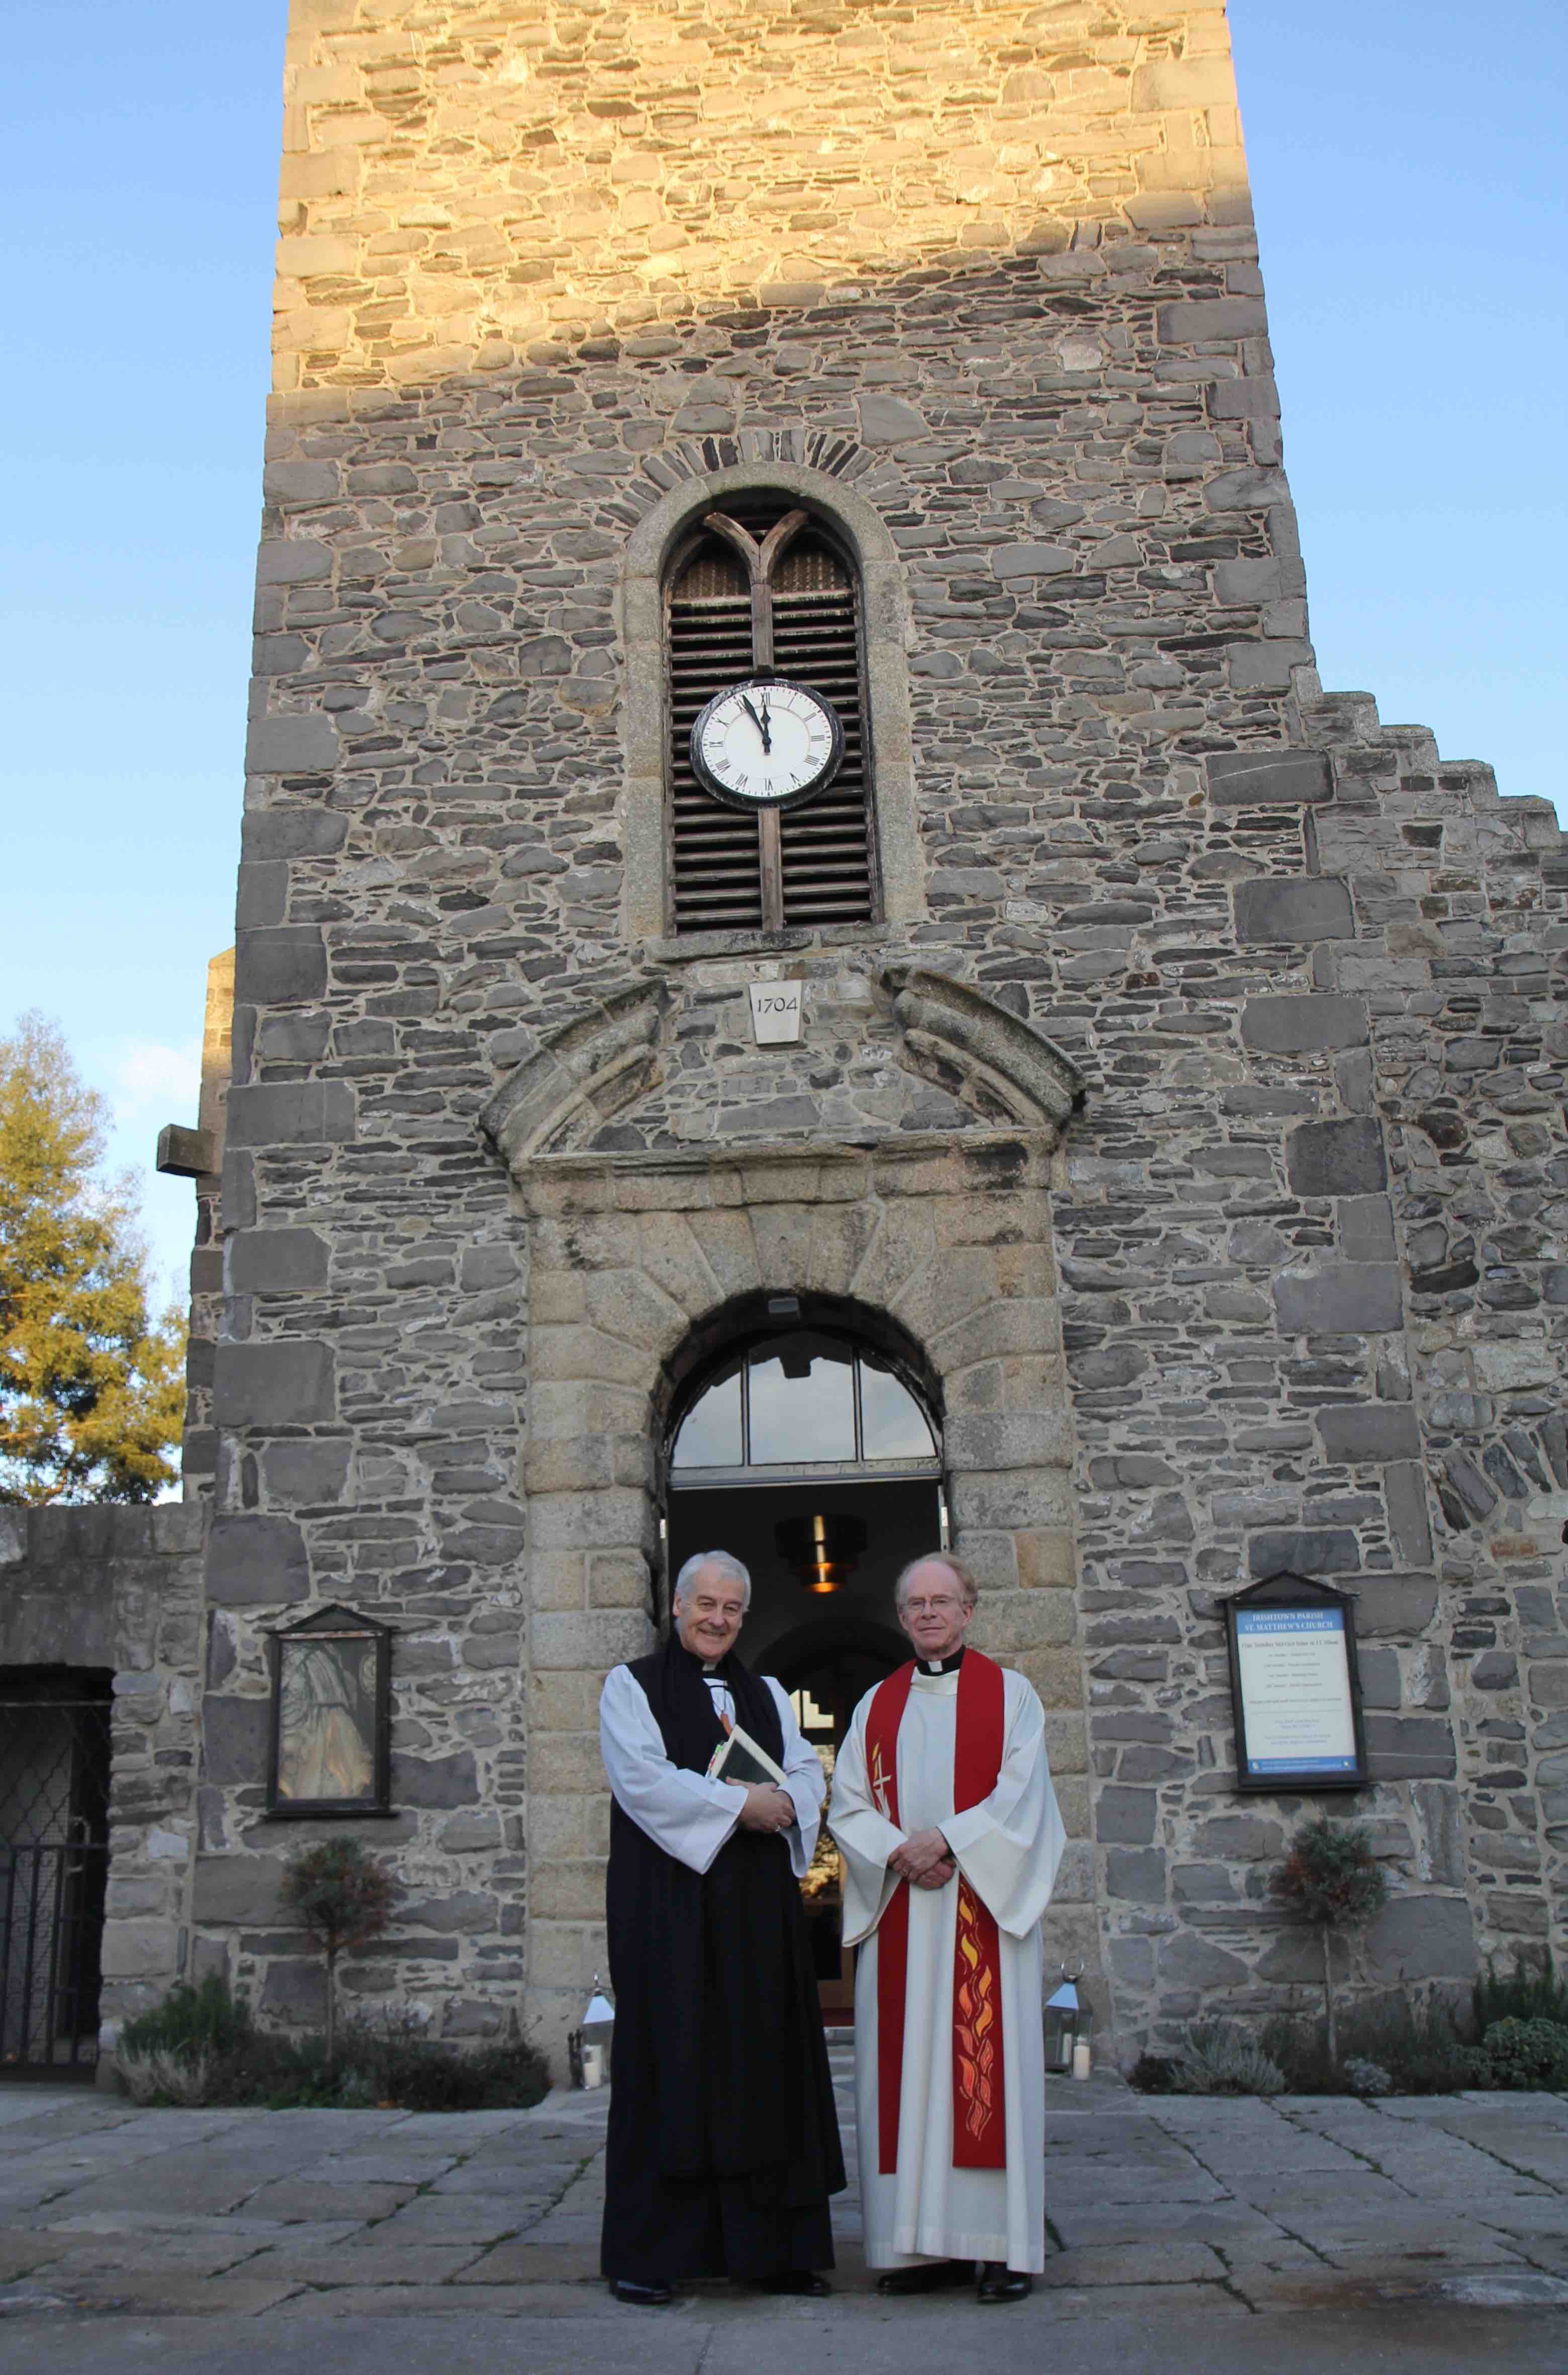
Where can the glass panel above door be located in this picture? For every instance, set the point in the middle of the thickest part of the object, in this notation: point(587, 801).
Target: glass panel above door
point(892, 1424)
point(710, 1435)
point(802, 1394)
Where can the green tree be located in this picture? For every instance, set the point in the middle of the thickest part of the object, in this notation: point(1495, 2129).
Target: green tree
point(92, 1389)
point(344, 1897)
point(1331, 1879)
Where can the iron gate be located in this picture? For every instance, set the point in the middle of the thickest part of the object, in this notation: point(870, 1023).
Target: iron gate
point(53, 1872)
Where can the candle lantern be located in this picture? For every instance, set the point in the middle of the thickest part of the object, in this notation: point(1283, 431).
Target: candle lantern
point(588, 2047)
point(1068, 2023)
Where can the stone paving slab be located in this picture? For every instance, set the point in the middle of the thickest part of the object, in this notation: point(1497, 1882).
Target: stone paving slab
point(1167, 2218)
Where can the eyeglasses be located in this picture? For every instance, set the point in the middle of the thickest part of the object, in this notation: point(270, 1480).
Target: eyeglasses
point(930, 1607)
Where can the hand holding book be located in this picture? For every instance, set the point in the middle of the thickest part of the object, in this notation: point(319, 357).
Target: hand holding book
point(738, 1757)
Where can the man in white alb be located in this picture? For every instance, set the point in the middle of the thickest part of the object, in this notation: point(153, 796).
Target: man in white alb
point(943, 1807)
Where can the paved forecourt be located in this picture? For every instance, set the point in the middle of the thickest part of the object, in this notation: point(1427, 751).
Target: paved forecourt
point(1432, 2233)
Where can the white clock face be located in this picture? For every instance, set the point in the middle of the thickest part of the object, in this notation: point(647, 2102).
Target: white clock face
point(768, 743)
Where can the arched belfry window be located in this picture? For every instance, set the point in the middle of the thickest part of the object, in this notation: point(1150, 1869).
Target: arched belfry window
point(762, 588)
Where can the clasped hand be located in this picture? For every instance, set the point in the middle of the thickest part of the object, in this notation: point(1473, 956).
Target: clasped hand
point(925, 1859)
point(767, 1808)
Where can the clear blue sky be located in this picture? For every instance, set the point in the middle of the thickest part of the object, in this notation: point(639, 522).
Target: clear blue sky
point(1406, 168)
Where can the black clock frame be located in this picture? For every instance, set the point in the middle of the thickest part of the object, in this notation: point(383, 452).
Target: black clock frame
point(807, 791)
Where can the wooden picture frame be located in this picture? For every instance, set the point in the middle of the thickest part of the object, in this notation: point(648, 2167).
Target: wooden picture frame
point(329, 1735)
point(1295, 1687)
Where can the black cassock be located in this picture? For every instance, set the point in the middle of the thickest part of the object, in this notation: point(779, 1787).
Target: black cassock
point(724, 2141)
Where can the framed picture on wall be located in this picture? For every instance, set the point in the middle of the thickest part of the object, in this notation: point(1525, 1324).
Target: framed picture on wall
point(1295, 1688)
point(330, 1730)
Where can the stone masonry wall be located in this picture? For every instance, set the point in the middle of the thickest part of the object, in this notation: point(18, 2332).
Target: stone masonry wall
point(1013, 303)
point(121, 1588)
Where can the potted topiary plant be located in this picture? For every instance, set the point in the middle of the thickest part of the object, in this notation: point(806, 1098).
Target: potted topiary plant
point(1331, 1879)
point(344, 1897)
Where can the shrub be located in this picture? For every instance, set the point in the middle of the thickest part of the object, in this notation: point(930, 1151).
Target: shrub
point(1226, 2062)
point(190, 2020)
point(1415, 2042)
point(1522, 2053)
point(162, 2075)
point(1154, 2073)
point(1331, 1879)
point(1531, 1992)
point(1364, 2078)
point(344, 1898)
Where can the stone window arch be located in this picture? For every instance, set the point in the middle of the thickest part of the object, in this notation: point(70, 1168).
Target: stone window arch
point(749, 569)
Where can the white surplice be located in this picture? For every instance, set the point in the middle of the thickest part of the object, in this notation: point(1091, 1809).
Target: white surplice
point(684, 1812)
point(1007, 1848)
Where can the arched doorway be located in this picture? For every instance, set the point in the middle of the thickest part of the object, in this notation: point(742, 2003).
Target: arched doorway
point(803, 1434)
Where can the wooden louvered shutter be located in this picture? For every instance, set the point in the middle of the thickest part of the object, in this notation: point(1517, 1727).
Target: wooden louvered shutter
point(824, 847)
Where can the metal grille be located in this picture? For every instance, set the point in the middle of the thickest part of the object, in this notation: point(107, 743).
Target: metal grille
point(825, 848)
point(53, 1870)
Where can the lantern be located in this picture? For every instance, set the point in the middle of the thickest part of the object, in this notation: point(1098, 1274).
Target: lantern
point(1068, 2025)
point(588, 2045)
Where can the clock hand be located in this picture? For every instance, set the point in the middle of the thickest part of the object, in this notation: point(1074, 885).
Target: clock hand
point(758, 723)
point(767, 735)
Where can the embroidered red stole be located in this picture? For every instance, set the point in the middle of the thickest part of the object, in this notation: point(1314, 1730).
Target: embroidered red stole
point(979, 2122)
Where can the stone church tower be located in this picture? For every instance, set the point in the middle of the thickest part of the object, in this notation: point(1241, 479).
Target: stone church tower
point(1165, 1183)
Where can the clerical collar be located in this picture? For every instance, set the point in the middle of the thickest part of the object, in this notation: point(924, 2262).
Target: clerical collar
point(942, 1665)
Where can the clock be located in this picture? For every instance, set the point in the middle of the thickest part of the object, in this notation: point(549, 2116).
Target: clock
point(769, 743)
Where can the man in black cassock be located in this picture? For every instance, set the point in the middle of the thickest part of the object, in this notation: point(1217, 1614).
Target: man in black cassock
point(724, 2141)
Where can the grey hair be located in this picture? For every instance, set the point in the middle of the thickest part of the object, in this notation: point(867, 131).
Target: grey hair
point(723, 1561)
point(956, 1568)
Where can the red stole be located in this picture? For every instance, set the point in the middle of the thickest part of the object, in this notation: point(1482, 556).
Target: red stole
point(979, 2123)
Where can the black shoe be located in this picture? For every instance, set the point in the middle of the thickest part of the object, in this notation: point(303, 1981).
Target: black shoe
point(801, 2281)
point(657, 2295)
point(927, 2276)
point(1000, 2283)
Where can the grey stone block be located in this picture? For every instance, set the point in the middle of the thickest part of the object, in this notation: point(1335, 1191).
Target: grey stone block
point(306, 1472)
point(1305, 1025)
point(281, 966)
point(1125, 1814)
point(1187, 1961)
point(289, 1382)
point(888, 420)
point(1339, 1299)
point(1033, 560)
point(1336, 1158)
point(1239, 584)
point(293, 560)
point(1403, 1747)
point(1422, 1938)
point(435, 1780)
point(292, 832)
point(1366, 1229)
point(1404, 1491)
point(1494, 1669)
point(300, 482)
point(1195, 321)
point(1311, 1551)
point(278, 1262)
point(295, 1993)
point(1370, 1431)
point(234, 1741)
point(1395, 1607)
point(291, 746)
point(254, 1560)
point(295, 1036)
point(1136, 1873)
point(289, 1112)
point(262, 894)
point(1293, 914)
point(1379, 1671)
point(237, 1889)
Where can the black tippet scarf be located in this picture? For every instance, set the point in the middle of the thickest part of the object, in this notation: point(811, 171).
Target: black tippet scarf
point(716, 2008)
